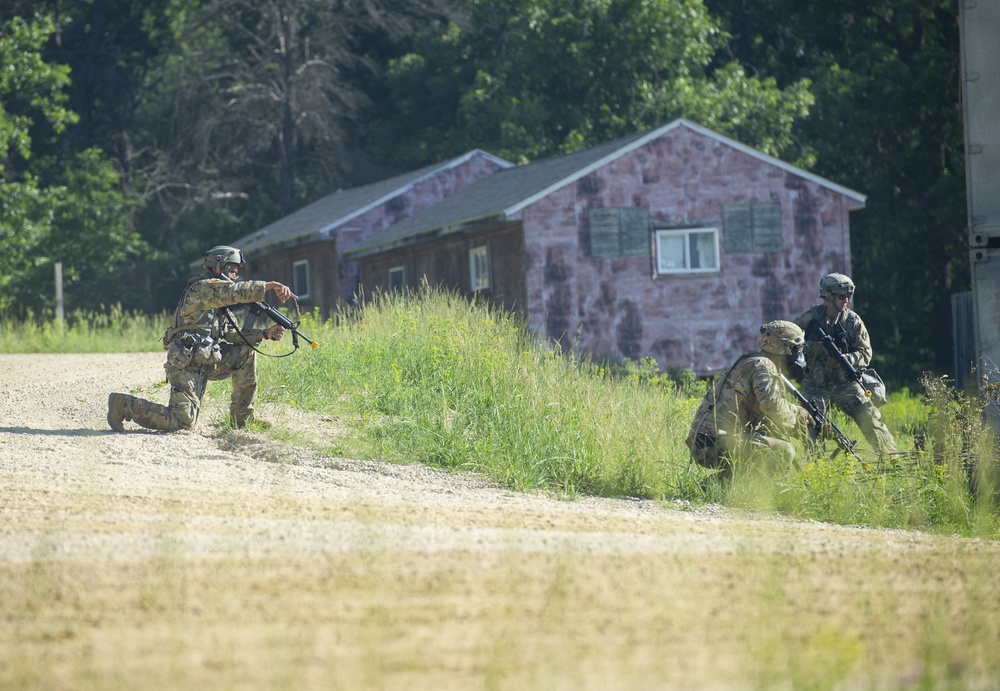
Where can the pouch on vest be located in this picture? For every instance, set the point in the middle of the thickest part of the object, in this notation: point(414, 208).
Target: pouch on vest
point(873, 383)
point(206, 353)
point(179, 355)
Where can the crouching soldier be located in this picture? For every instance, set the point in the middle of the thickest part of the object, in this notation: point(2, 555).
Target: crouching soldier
point(825, 379)
point(205, 344)
point(745, 415)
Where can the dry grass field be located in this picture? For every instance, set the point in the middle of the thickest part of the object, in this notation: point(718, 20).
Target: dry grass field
point(219, 560)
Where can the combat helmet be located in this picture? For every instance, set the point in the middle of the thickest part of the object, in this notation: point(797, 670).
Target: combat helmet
point(836, 284)
point(781, 338)
point(220, 255)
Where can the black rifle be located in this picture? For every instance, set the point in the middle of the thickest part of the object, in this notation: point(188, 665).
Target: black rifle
point(831, 347)
point(258, 308)
point(262, 308)
point(844, 442)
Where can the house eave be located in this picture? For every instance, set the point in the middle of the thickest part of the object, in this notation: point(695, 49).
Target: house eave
point(422, 236)
point(284, 244)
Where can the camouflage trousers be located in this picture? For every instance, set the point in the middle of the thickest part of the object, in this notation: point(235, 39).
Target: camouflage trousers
point(851, 398)
point(187, 388)
point(725, 451)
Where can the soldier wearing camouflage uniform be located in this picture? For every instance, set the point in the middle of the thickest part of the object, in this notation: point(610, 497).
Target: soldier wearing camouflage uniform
point(745, 415)
point(825, 379)
point(205, 345)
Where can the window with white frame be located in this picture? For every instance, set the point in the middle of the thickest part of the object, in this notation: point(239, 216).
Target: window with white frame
point(300, 278)
point(479, 268)
point(397, 279)
point(687, 250)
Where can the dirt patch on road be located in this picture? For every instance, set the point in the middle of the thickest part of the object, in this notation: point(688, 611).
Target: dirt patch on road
point(216, 559)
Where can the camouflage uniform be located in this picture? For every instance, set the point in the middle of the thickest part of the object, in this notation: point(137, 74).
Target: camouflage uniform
point(827, 381)
point(744, 415)
point(205, 346)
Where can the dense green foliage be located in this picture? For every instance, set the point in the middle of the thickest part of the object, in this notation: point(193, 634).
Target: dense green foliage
point(886, 122)
point(526, 80)
point(136, 133)
point(53, 208)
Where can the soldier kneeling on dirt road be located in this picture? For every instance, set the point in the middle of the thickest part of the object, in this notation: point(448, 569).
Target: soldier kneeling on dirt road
point(745, 415)
point(206, 344)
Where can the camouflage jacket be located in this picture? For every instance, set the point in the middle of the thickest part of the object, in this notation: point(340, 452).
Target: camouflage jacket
point(749, 398)
point(851, 336)
point(204, 306)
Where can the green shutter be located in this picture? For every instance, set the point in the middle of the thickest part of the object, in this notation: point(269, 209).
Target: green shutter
point(752, 227)
point(635, 231)
point(737, 228)
point(767, 228)
point(605, 233)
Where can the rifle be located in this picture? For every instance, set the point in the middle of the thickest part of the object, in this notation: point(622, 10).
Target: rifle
point(831, 347)
point(278, 318)
point(262, 308)
point(844, 442)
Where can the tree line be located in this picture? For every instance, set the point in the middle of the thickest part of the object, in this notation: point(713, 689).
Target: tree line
point(134, 133)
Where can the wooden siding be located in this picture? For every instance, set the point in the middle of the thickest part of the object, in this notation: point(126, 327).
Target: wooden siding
point(616, 307)
point(339, 278)
point(323, 278)
point(445, 262)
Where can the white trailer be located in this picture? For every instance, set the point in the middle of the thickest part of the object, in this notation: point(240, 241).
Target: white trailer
point(979, 26)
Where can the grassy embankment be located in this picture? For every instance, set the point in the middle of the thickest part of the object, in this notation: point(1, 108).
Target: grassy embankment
point(436, 380)
point(113, 331)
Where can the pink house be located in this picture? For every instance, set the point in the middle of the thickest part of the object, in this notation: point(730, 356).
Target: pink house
point(676, 243)
point(305, 249)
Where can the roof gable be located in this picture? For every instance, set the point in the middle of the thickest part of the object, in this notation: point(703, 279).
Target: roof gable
point(507, 192)
point(318, 219)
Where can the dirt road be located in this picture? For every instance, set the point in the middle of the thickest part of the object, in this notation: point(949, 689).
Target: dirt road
point(206, 558)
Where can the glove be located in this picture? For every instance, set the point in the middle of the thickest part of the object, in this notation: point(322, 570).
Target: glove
point(805, 419)
point(825, 431)
point(813, 350)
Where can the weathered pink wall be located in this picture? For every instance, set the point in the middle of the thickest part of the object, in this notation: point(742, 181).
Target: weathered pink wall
point(699, 321)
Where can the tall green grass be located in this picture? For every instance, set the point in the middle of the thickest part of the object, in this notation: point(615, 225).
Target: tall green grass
point(434, 379)
point(437, 380)
point(112, 331)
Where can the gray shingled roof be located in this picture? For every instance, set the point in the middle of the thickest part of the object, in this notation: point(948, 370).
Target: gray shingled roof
point(314, 221)
point(496, 197)
point(490, 198)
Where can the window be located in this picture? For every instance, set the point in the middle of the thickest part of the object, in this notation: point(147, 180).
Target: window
point(619, 232)
point(300, 278)
point(479, 268)
point(397, 279)
point(687, 250)
point(752, 227)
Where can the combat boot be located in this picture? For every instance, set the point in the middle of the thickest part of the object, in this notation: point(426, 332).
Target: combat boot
point(119, 410)
point(241, 420)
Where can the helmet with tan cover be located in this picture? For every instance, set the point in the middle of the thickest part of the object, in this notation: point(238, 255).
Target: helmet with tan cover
point(781, 338)
point(220, 255)
point(836, 284)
